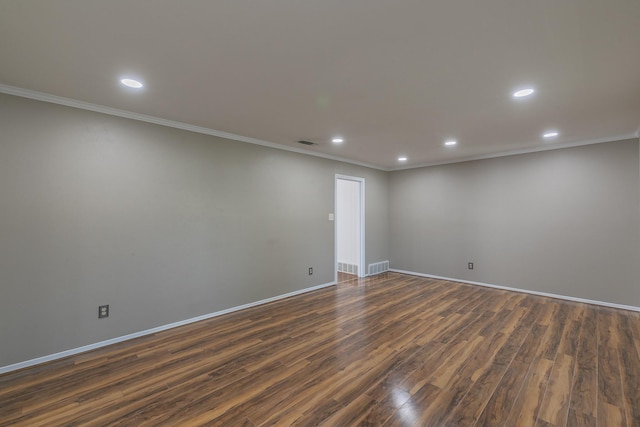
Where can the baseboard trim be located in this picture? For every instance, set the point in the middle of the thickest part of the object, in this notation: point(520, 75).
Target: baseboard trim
point(83, 349)
point(527, 291)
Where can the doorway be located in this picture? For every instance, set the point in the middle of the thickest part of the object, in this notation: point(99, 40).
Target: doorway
point(349, 226)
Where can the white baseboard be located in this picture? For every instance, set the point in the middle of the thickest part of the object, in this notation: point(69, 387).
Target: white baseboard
point(71, 352)
point(527, 291)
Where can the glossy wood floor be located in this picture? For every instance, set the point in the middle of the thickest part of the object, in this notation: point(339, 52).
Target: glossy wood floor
point(393, 350)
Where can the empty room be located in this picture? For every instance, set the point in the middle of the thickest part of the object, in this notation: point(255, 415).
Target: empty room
point(319, 213)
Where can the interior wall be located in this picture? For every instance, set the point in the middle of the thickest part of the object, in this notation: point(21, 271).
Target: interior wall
point(161, 224)
point(563, 221)
point(165, 225)
point(347, 221)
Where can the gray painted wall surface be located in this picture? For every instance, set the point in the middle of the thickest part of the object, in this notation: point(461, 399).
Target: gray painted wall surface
point(562, 221)
point(161, 224)
point(166, 225)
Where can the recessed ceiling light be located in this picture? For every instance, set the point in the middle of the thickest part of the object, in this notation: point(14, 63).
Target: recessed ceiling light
point(402, 159)
point(337, 140)
point(131, 83)
point(523, 92)
point(451, 142)
point(550, 134)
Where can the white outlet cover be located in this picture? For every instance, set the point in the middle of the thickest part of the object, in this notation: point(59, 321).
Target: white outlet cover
point(331, 217)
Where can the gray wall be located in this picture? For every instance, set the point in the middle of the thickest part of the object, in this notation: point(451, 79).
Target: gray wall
point(562, 221)
point(165, 225)
point(162, 224)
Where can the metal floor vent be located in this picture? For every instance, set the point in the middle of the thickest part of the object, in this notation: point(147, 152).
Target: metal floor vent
point(378, 267)
point(344, 267)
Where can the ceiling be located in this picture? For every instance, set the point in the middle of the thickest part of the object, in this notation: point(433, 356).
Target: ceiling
point(391, 77)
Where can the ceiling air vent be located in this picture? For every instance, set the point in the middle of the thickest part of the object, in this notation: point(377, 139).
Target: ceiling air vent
point(306, 142)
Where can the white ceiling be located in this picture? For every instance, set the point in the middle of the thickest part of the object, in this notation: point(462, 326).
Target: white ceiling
point(392, 77)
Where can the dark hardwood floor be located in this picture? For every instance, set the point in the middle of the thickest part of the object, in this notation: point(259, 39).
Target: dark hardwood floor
point(391, 350)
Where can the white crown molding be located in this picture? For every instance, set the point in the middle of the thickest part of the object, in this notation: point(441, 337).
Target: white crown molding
point(521, 151)
point(54, 99)
point(94, 346)
point(526, 291)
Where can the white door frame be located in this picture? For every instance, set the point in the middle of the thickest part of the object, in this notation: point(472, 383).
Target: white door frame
point(361, 260)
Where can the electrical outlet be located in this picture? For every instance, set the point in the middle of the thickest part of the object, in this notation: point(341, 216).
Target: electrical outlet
point(103, 311)
point(310, 271)
point(470, 266)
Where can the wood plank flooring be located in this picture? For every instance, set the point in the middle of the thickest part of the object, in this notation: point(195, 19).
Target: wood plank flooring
point(391, 350)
